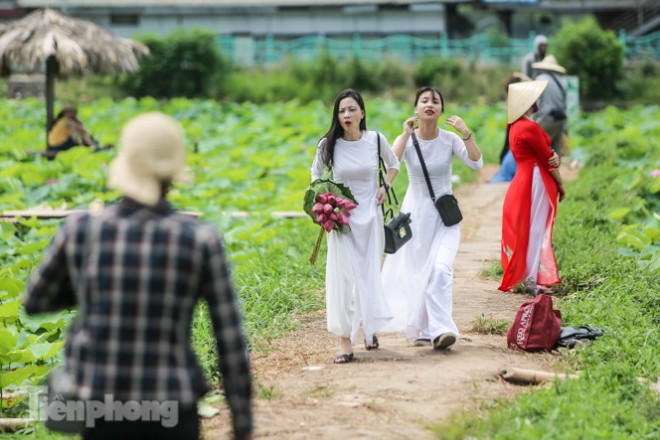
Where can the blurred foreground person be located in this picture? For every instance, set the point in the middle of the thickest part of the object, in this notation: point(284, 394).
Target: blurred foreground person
point(135, 271)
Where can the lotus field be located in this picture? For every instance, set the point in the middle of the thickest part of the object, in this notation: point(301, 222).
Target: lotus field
point(254, 160)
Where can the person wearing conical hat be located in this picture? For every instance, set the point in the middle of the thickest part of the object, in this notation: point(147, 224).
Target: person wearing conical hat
point(530, 205)
point(507, 163)
point(136, 271)
point(551, 114)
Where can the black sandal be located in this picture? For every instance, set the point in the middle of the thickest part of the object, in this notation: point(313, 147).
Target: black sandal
point(374, 344)
point(343, 358)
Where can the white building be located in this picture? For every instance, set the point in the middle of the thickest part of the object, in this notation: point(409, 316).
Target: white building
point(282, 19)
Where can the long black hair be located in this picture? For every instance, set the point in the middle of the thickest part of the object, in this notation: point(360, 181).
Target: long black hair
point(336, 131)
point(425, 89)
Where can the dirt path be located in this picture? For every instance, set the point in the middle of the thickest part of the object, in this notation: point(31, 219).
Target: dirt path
point(397, 391)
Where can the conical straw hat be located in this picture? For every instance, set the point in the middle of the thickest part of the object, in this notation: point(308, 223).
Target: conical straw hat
point(549, 63)
point(522, 96)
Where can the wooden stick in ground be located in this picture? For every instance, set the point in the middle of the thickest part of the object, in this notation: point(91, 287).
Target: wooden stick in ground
point(523, 376)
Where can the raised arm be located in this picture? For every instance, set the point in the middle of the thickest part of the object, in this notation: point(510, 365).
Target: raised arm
point(400, 142)
point(473, 152)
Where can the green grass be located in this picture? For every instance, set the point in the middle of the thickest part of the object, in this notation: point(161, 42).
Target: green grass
point(273, 280)
point(493, 271)
point(489, 326)
point(36, 430)
point(257, 158)
point(608, 281)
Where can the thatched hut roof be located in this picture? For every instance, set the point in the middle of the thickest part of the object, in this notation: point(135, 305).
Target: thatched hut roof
point(80, 47)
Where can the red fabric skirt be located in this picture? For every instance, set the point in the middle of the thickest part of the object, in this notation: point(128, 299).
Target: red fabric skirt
point(516, 220)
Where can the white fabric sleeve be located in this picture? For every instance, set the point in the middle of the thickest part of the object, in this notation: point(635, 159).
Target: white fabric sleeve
point(387, 154)
point(318, 165)
point(460, 150)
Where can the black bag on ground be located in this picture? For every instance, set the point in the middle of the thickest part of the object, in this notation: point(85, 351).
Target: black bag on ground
point(569, 337)
point(397, 230)
point(447, 205)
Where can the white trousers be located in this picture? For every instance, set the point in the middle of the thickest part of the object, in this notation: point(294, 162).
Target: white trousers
point(537, 227)
point(434, 316)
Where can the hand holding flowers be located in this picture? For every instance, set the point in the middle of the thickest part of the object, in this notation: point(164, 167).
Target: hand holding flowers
point(331, 210)
point(328, 204)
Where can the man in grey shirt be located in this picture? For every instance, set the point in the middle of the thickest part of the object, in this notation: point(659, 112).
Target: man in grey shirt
point(540, 49)
point(551, 115)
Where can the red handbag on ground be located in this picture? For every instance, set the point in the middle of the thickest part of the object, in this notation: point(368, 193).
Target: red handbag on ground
point(537, 325)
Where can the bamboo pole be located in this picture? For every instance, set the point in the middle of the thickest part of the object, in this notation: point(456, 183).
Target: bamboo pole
point(524, 376)
point(535, 377)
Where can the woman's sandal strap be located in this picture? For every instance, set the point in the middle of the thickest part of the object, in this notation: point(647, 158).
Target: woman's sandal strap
point(374, 344)
point(343, 358)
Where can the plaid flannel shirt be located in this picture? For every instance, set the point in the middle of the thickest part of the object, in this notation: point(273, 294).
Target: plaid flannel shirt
point(144, 270)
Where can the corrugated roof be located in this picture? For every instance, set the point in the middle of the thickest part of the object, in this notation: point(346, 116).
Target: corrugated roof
point(209, 3)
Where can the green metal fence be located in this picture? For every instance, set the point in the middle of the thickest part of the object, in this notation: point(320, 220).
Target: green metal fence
point(406, 48)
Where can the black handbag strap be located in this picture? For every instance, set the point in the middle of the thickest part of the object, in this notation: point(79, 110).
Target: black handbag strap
point(424, 170)
point(381, 181)
point(561, 87)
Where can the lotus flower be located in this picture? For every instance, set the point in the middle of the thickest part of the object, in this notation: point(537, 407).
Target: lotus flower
point(329, 209)
point(328, 225)
point(332, 212)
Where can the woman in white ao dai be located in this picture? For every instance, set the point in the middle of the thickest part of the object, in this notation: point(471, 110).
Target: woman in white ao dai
point(354, 293)
point(418, 278)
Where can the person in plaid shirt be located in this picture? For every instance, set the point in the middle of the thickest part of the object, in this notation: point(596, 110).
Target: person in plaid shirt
point(136, 270)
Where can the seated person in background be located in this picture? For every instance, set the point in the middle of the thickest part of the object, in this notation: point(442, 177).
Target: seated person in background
point(67, 132)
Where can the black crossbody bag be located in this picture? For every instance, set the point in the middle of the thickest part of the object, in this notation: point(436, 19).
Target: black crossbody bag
point(447, 205)
point(397, 230)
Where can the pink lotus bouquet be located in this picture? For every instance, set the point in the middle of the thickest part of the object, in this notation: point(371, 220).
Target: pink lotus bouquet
point(332, 212)
point(328, 204)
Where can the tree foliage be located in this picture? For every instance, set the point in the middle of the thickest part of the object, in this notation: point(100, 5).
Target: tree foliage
point(182, 64)
point(593, 54)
